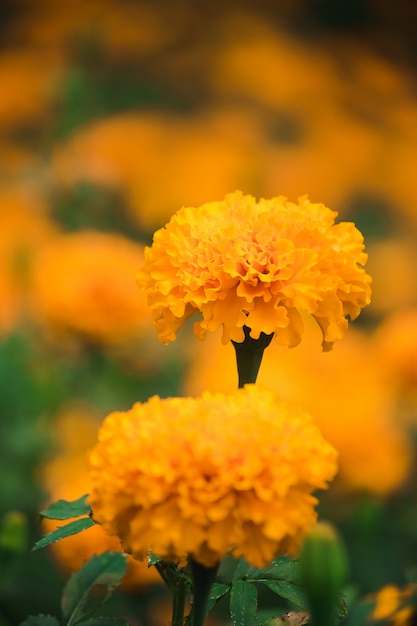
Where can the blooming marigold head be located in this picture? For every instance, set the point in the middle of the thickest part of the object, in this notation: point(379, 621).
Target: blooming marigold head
point(257, 264)
point(210, 476)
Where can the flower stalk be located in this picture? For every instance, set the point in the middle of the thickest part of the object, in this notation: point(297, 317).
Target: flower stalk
point(178, 603)
point(203, 578)
point(249, 355)
point(178, 583)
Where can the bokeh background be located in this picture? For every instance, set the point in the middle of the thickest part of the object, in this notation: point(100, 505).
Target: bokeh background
point(113, 115)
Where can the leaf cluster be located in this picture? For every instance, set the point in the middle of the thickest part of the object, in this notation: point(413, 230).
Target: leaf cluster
point(280, 577)
point(63, 510)
point(86, 591)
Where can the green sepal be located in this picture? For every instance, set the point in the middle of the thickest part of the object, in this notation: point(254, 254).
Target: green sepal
point(153, 559)
point(106, 570)
point(65, 509)
point(67, 530)
point(243, 603)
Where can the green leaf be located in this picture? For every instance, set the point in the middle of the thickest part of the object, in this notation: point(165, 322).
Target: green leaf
point(218, 590)
point(64, 531)
point(64, 509)
point(286, 590)
point(106, 570)
point(40, 620)
point(105, 621)
point(243, 603)
point(282, 568)
point(241, 570)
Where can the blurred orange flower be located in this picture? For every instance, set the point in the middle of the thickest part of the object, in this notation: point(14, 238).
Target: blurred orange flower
point(391, 605)
point(28, 81)
point(257, 264)
point(16, 161)
point(66, 477)
point(24, 229)
point(84, 283)
point(210, 475)
point(395, 342)
point(161, 162)
point(55, 28)
point(393, 266)
point(338, 146)
point(345, 392)
point(333, 158)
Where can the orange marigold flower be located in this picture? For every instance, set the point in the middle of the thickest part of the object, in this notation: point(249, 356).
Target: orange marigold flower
point(257, 264)
point(83, 282)
point(210, 476)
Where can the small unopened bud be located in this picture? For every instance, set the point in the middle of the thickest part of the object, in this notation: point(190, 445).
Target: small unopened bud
point(323, 572)
point(13, 533)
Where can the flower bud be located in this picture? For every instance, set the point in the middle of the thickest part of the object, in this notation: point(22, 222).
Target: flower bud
point(323, 571)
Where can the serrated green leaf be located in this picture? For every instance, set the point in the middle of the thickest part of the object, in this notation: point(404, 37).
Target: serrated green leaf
point(65, 509)
point(286, 590)
point(105, 621)
point(107, 570)
point(282, 568)
point(40, 620)
point(64, 531)
point(241, 569)
point(243, 603)
point(218, 590)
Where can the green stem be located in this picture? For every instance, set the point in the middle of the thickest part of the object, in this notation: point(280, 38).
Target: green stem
point(179, 592)
point(203, 578)
point(249, 355)
point(178, 604)
point(161, 568)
